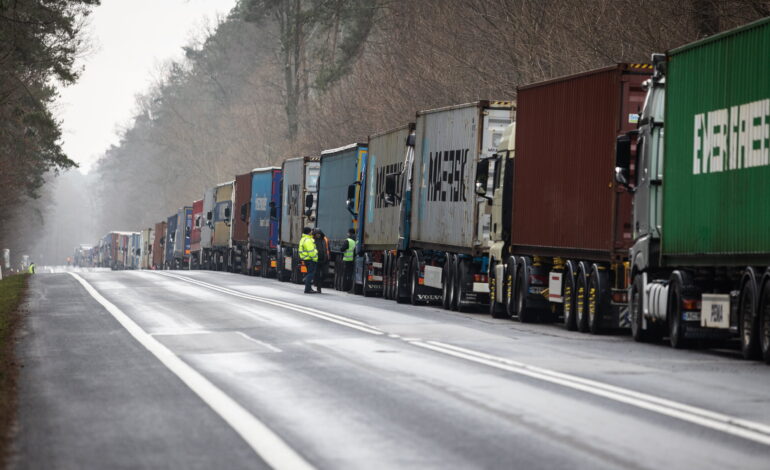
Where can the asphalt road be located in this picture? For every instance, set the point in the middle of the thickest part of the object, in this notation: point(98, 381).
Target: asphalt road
point(213, 370)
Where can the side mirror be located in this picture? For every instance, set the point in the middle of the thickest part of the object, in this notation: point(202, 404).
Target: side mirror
point(481, 188)
point(390, 195)
point(187, 231)
point(209, 216)
point(482, 176)
point(244, 212)
point(623, 160)
point(273, 211)
point(227, 213)
point(351, 200)
point(162, 241)
point(308, 201)
point(351, 192)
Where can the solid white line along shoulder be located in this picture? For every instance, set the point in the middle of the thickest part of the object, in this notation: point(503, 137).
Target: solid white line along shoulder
point(271, 448)
point(745, 429)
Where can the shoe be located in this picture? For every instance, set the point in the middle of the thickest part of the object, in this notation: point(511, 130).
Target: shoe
point(310, 292)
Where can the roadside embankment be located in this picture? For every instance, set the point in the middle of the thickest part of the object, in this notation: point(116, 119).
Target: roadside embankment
point(12, 290)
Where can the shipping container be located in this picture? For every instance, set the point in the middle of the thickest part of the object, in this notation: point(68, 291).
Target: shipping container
point(172, 223)
point(450, 143)
point(198, 221)
point(264, 220)
point(158, 245)
point(699, 262)
point(340, 168)
point(239, 242)
point(298, 210)
point(565, 135)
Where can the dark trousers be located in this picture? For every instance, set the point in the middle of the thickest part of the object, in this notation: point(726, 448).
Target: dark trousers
point(321, 273)
point(348, 279)
point(310, 274)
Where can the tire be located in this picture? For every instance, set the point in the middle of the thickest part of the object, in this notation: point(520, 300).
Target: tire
point(365, 289)
point(764, 322)
point(676, 330)
point(265, 261)
point(636, 305)
point(749, 324)
point(509, 290)
point(568, 296)
point(385, 276)
point(581, 307)
point(525, 313)
point(496, 309)
point(400, 281)
point(446, 284)
point(598, 299)
point(414, 273)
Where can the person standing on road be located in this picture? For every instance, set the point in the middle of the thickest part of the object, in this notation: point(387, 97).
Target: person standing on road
point(32, 268)
point(309, 254)
point(347, 258)
point(322, 269)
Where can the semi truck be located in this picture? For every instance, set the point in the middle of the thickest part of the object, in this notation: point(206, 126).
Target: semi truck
point(134, 250)
point(172, 223)
point(446, 257)
point(562, 253)
point(263, 216)
point(207, 228)
point(340, 180)
point(239, 240)
point(146, 254)
point(158, 245)
point(384, 232)
point(178, 228)
point(298, 194)
point(195, 235)
point(701, 228)
point(221, 225)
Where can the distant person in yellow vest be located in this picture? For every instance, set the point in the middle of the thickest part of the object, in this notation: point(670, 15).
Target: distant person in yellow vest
point(348, 258)
point(31, 268)
point(309, 254)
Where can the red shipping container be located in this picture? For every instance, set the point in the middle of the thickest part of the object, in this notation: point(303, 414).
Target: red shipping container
point(240, 215)
point(566, 202)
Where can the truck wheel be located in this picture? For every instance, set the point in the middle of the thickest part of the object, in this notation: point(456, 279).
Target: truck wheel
point(581, 310)
point(446, 283)
point(526, 314)
point(676, 330)
point(264, 260)
point(747, 310)
point(598, 299)
point(365, 287)
point(414, 283)
point(636, 305)
point(764, 322)
point(509, 292)
point(568, 296)
point(496, 309)
point(296, 275)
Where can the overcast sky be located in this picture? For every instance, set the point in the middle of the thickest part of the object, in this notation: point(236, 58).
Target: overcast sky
point(130, 41)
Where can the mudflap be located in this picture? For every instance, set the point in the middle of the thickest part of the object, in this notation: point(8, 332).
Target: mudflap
point(619, 318)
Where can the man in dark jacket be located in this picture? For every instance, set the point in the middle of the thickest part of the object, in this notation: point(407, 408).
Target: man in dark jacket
point(322, 270)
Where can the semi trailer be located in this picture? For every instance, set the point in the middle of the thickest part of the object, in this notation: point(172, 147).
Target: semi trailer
point(195, 234)
point(145, 261)
point(569, 225)
point(701, 228)
point(341, 177)
point(445, 259)
point(158, 245)
point(239, 240)
point(172, 223)
point(221, 226)
point(178, 229)
point(298, 194)
point(263, 216)
point(384, 231)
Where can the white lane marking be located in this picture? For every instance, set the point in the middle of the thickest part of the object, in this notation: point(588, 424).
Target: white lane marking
point(261, 343)
point(334, 318)
point(271, 448)
point(750, 430)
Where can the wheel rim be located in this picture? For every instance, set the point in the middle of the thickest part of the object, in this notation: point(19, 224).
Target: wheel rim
point(568, 303)
point(580, 304)
point(508, 291)
point(521, 293)
point(592, 302)
point(747, 319)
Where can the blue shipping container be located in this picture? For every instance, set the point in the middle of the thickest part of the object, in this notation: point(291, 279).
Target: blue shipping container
point(265, 194)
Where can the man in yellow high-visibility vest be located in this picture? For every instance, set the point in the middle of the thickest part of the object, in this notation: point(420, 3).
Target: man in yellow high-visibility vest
point(309, 254)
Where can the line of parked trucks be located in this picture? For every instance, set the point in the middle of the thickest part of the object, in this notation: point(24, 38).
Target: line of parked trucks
point(560, 207)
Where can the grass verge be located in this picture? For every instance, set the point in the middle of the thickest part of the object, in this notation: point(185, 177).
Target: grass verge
point(12, 290)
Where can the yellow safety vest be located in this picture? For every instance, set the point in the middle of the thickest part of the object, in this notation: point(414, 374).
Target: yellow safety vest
point(307, 249)
point(349, 255)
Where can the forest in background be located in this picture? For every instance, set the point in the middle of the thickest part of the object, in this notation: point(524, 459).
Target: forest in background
point(282, 78)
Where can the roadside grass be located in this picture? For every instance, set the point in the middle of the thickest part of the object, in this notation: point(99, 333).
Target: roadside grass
point(12, 290)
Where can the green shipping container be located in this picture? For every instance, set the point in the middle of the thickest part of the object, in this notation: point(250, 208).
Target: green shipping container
point(716, 181)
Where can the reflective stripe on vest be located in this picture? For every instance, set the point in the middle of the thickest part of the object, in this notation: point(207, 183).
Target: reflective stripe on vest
point(348, 255)
point(307, 249)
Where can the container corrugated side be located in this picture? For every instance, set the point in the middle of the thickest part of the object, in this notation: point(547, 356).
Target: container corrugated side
point(240, 227)
point(449, 141)
point(387, 154)
point(716, 166)
point(565, 202)
point(264, 190)
point(338, 171)
point(292, 195)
